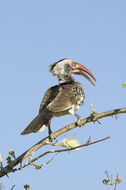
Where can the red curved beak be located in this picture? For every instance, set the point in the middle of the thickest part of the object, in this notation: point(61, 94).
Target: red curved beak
point(80, 69)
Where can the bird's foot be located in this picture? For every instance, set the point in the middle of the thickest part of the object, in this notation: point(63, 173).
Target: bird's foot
point(50, 138)
point(80, 121)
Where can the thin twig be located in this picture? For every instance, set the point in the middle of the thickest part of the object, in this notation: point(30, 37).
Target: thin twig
point(50, 159)
point(43, 164)
point(45, 141)
point(31, 163)
point(58, 151)
point(67, 149)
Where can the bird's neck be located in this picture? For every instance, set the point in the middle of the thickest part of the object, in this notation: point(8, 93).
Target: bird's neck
point(65, 79)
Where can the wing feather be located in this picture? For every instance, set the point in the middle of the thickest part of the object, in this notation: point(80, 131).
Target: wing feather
point(64, 99)
point(49, 96)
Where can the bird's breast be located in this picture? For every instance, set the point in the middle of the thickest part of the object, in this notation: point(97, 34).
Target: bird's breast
point(78, 93)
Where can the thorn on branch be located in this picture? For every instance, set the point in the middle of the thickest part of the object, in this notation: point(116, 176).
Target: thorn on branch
point(98, 122)
point(89, 140)
point(13, 187)
point(116, 116)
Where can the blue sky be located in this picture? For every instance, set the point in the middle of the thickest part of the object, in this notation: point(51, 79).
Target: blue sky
point(35, 34)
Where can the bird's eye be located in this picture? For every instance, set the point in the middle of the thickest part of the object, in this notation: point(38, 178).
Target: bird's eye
point(73, 64)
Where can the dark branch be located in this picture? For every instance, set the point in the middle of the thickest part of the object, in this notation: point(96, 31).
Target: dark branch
point(59, 132)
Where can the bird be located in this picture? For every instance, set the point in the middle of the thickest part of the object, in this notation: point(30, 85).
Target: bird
point(62, 99)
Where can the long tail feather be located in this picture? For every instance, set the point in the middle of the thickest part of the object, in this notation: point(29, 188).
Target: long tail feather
point(42, 119)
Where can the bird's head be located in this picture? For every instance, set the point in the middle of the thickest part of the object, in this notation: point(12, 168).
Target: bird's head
point(65, 68)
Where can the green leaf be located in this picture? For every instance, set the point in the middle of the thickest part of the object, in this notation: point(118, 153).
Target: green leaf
point(37, 167)
point(12, 153)
point(119, 180)
point(94, 112)
point(27, 186)
point(9, 161)
point(124, 85)
point(105, 181)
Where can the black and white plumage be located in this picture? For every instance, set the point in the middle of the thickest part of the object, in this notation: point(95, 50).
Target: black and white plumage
point(61, 99)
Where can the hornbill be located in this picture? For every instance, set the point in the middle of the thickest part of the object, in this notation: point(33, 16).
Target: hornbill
point(64, 98)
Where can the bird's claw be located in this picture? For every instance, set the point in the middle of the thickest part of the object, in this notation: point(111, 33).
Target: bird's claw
point(80, 121)
point(50, 138)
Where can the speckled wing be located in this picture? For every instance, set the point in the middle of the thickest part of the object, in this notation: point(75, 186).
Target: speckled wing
point(63, 100)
